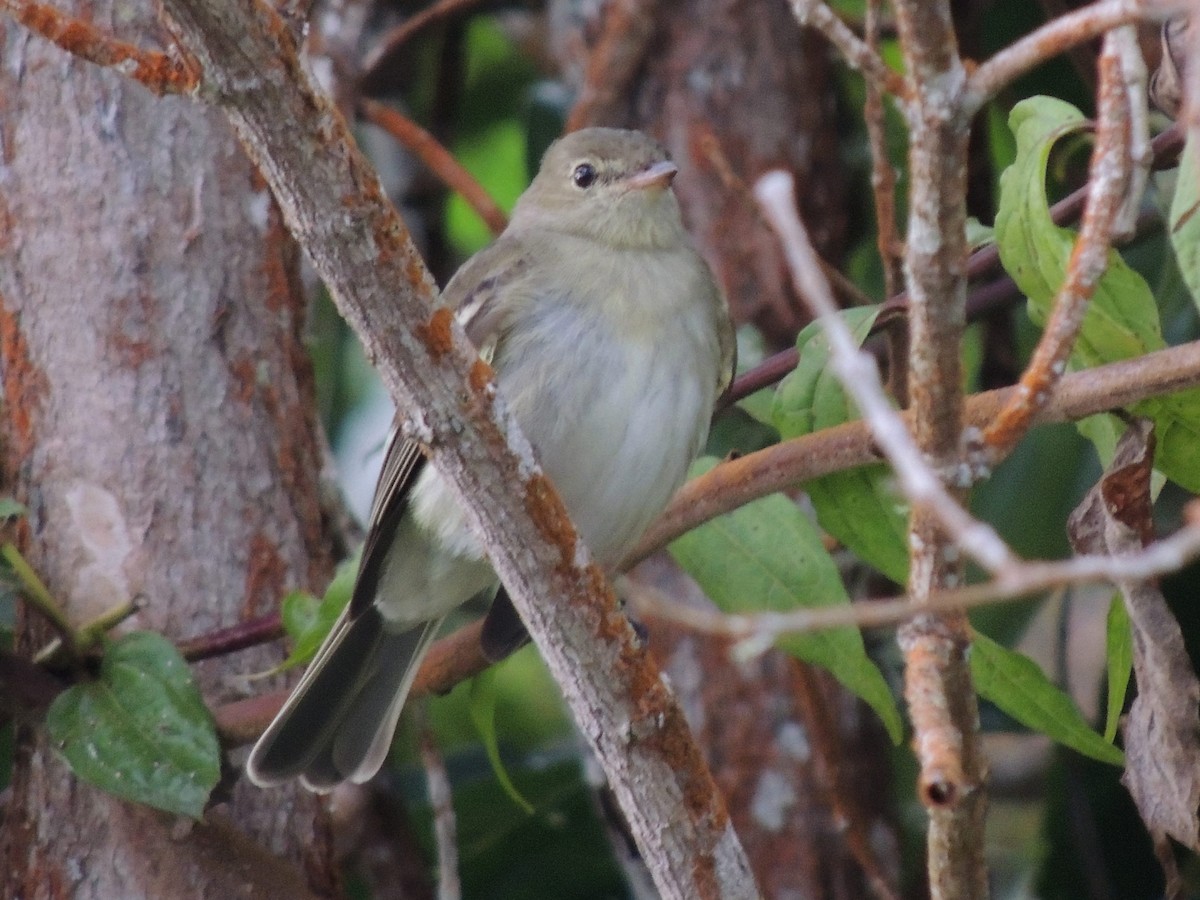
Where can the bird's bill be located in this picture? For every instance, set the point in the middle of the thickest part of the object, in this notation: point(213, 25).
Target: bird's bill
point(659, 175)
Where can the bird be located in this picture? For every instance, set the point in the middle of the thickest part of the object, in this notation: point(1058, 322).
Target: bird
point(611, 343)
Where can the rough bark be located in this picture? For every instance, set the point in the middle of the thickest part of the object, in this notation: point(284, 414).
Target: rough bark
point(333, 204)
point(160, 426)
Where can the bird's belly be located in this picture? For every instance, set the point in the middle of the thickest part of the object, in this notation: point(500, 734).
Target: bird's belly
point(618, 450)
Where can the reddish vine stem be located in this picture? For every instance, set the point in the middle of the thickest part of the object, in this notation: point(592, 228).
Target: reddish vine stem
point(438, 159)
point(385, 53)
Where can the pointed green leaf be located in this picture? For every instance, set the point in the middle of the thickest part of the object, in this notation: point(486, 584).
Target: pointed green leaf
point(141, 730)
point(767, 556)
point(1184, 218)
point(1122, 320)
point(10, 508)
point(1120, 664)
point(1017, 685)
point(483, 714)
point(308, 621)
point(859, 507)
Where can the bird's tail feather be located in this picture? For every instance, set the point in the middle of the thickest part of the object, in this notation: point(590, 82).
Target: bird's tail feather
point(339, 721)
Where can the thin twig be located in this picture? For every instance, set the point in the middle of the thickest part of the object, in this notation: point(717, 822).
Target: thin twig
point(392, 43)
point(223, 641)
point(1141, 153)
point(761, 630)
point(1050, 40)
point(441, 802)
point(883, 176)
point(38, 598)
point(1165, 148)
point(1110, 173)
point(828, 764)
point(161, 73)
point(857, 53)
point(438, 159)
point(787, 465)
point(858, 374)
point(627, 27)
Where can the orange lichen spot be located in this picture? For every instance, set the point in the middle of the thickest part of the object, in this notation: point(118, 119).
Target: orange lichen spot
point(281, 291)
point(481, 376)
point(550, 517)
point(24, 385)
point(245, 378)
point(266, 576)
point(437, 333)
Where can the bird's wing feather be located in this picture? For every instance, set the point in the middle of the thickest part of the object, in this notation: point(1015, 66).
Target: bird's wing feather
point(475, 293)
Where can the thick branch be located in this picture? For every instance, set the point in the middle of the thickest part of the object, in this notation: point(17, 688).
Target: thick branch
point(941, 698)
point(789, 464)
point(334, 205)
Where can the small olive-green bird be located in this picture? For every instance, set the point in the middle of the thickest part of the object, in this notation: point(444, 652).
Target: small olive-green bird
point(611, 343)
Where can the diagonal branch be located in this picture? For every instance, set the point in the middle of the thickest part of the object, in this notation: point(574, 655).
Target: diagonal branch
point(334, 205)
point(1055, 37)
point(1110, 177)
point(857, 373)
point(857, 53)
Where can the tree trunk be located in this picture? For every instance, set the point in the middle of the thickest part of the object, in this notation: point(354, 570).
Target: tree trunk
point(160, 427)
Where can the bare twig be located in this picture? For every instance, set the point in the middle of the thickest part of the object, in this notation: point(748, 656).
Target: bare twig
point(441, 802)
point(438, 159)
point(1141, 152)
point(1050, 40)
point(857, 54)
point(392, 43)
point(1165, 148)
point(159, 72)
point(883, 176)
point(761, 630)
point(937, 677)
point(1110, 173)
point(229, 640)
point(857, 372)
point(828, 764)
point(789, 464)
point(628, 26)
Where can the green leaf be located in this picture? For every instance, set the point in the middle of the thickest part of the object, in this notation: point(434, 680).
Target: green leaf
point(10, 508)
point(1184, 218)
point(767, 556)
point(859, 506)
point(1122, 320)
point(1017, 685)
point(141, 730)
point(1120, 664)
point(308, 621)
point(483, 713)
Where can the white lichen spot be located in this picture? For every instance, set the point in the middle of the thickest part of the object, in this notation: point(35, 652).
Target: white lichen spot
point(582, 557)
point(1058, 366)
point(773, 797)
point(258, 209)
point(97, 520)
point(793, 740)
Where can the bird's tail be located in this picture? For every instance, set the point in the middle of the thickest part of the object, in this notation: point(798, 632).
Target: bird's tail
point(338, 723)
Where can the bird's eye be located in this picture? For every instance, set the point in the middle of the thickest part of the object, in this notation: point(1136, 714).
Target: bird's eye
point(584, 175)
